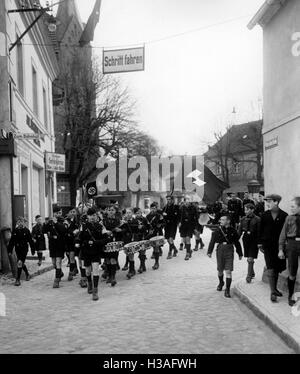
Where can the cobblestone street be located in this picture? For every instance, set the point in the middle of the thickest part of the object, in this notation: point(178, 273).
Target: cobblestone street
point(173, 310)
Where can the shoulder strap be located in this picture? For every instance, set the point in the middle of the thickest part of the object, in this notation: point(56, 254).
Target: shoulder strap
point(224, 234)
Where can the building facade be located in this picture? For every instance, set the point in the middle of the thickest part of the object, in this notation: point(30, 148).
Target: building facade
point(280, 21)
point(27, 73)
point(236, 157)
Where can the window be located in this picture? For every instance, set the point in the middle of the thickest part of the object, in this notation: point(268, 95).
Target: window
point(219, 169)
point(20, 68)
point(34, 91)
point(45, 108)
point(236, 168)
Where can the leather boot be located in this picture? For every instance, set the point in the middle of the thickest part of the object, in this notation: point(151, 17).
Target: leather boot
point(272, 283)
point(83, 282)
point(291, 287)
point(197, 245)
point(221, 283)
point(113, 275)
point(181, 247)
point(227, 290)
point(250, 272)
point(169, 255)
point(175, 251)
point(277, 292)
point(95, 294)
point(202, 245)
point(56, 283)
point(89, 287)
point(131, 272)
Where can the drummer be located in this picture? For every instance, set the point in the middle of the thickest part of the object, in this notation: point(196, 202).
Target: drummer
point(93, 240)
point(128, 225)
point(112, 223)
point(156, 221)
point(141, 230)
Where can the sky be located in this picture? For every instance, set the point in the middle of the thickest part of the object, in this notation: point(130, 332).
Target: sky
point(191, 82)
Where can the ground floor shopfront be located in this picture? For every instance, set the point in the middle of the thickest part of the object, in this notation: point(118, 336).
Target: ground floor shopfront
point(33, 182)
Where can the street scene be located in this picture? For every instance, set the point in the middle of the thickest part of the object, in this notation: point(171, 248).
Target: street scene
point(156, 212)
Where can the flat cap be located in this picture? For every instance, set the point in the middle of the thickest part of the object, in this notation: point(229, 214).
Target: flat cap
point(273, 197)
point(91, 211)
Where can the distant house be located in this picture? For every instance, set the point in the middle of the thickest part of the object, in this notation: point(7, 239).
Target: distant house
point(237, 156)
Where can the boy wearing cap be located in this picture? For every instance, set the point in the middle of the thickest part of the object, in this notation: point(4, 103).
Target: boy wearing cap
point(271, 225)
point(227, 238)
point(20, 239)
point(249, 228)
point(56, 231)
point(289, 243)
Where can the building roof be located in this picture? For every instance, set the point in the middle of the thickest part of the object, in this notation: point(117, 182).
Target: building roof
point(241, 138)
point(67, 10)
point(266, 12)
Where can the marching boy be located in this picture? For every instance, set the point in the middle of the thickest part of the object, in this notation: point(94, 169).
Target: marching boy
point(39, 238)
point(226, 238)
point(20, 239)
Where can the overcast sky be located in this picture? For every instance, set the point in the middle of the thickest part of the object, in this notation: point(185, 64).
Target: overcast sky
point(192, 82)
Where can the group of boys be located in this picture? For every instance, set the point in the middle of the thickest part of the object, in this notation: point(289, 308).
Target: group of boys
point(85, 237)
point(273, 232)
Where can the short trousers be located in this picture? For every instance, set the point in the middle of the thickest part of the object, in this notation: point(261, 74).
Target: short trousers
point(225, 257)
point(186, 231)
point(170, 231)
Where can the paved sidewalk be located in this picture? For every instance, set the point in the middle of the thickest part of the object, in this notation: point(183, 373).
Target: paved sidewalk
point(278, 315)
point(33, 268)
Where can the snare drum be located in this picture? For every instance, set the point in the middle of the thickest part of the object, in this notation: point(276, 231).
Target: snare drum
point(113, 247)
point(132, 248)
point(157, 241)
point(145, 245)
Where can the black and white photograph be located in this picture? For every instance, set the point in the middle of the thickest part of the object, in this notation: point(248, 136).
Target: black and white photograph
point(149, 182)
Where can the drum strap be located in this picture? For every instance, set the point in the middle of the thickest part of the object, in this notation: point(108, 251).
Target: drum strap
point(89, 231)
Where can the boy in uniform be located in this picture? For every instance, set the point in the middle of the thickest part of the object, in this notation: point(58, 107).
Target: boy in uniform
point(171, 214)
point(39, 238)
point(250, 228)
point(20, 239)
point(226, 238)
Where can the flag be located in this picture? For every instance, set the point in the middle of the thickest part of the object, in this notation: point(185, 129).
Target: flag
point(91, 190)
point(88, 33)
point(214, 186)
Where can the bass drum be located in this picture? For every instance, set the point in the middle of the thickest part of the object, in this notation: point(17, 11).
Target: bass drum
point(204, 218)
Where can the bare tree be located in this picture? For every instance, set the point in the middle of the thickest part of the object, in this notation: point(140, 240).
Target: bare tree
point(95, 110)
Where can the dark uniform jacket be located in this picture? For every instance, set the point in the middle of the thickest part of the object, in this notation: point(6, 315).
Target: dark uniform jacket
point(111, 224)
point(92, 232)
point(38, 237)
point(188, 216)
point(250, 226)
point(128, 231)
point(259, 208)
point(269, 229)
point(72, 225)
point(141, 228)
point(235, 209)
point(57, 234)
point(157, 222)
point(20, 239)
point(231, 237)
point(171, 214)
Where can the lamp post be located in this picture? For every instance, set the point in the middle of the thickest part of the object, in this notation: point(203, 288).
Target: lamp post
point(254, 187)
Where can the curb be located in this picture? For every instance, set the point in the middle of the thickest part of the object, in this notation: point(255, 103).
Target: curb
point(272, 323)
point(10, 277)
